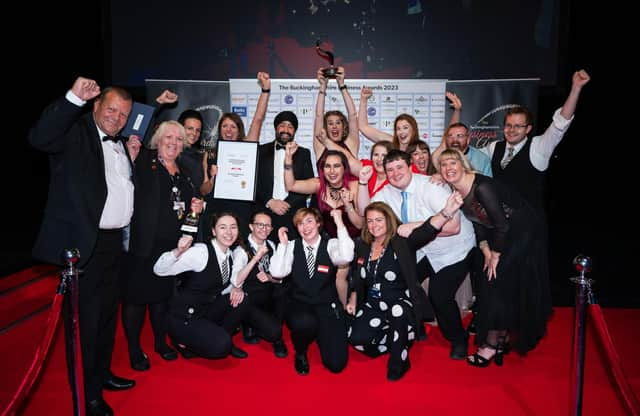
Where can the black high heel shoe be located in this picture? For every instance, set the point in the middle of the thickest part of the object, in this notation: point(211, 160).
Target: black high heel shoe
point(478, 360)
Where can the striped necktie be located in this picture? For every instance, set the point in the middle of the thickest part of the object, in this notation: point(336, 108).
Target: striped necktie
point(507, 159)
point(225, 271)
point(311, 261)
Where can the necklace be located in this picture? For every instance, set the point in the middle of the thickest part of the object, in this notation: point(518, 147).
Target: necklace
point(334, 193)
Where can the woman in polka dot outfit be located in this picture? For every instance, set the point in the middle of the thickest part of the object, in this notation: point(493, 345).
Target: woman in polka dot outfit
point(388, 300)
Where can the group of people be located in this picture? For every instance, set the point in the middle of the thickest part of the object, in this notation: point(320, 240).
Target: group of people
point(355, 244)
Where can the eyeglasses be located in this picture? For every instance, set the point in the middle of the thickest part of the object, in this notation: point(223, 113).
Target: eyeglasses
point(263, 226)
point(515, 126)
point(457, 136)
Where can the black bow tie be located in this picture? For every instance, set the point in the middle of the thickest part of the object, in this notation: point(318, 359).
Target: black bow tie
point(114, 139)
point(281, 146)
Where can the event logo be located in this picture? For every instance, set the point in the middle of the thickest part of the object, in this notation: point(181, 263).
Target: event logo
point(489, 128)
point(288, 99)
point(211, 116)
point(371, 111)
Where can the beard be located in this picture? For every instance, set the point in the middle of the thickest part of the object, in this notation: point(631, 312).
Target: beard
point(284, 137)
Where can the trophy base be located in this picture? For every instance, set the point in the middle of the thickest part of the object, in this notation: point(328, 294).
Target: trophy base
point(330, 72)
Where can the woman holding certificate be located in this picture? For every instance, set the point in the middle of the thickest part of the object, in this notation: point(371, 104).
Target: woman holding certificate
point(230, 127)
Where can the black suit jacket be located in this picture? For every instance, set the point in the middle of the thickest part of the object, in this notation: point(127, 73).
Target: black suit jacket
point(302, 169)
point(77, 187)
point(405, 250)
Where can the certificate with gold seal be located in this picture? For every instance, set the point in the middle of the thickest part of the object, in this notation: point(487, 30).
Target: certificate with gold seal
point(237, 170)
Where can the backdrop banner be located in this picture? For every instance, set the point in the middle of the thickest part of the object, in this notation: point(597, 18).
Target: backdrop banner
point(484, 103)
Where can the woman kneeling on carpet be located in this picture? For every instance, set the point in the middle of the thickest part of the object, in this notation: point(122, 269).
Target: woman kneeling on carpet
point(389, 300)
point(314, 310)
point(208, 306)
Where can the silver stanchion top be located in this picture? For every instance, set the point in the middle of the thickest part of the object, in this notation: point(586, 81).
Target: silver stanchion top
point(70, 256)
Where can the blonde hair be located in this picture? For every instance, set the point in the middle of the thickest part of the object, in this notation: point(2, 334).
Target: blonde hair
point(162, 128)
point(456, 155)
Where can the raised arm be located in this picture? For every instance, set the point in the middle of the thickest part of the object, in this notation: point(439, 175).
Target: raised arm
point(261, 109)
point(579, 80)
point(369, 132)
point(340, 249)
point(456, 104)
point(291, 184)
point(363, 198)
point(353, 139)
point(49, 131)
point(318, 122)
point(354, 163)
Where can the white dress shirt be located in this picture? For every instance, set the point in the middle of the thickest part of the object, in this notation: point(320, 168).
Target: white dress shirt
point(194, 259)
point(240, 258)
point(425, 199)
point(279, 190)
point(542, 147)
point(341, 251)
point(118, 208)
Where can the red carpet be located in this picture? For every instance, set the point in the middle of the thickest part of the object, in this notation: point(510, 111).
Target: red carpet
point(263, 384)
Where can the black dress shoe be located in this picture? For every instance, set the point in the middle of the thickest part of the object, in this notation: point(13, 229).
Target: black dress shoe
point(301, 364)
point(99, 407)
point(167, 353)
point(237, 352)
point(184, 351)
point(459, 351)
point(115, 383)
point(395, 373)
point(280, 349)
point(249, 335)
point(139, 361)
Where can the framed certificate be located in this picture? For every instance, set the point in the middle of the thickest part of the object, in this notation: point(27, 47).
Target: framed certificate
point(237, 170)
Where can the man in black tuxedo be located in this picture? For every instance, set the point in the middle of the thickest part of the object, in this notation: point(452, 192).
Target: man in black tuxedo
point(271, 191)
point(90, 202)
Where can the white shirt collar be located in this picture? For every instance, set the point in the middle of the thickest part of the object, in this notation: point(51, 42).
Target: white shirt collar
point(221, 255)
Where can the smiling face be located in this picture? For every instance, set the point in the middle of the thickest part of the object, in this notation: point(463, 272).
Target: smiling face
point(309, 228)
point(193, 128)
point(398, 173)
point(111, 112)
point(333, 171)
point(171, 143)
point(225, 231)
point(457, 138)
point(229, 129)
point(451, 169)
point(335, 126)
point(285, 132)
point(377, 157)
point(376, 224)
point(404, 132)
point(516, 128)
point(260, 228)
point(420, 158)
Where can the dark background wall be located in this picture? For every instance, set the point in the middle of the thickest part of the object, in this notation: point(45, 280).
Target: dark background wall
point(589, 201)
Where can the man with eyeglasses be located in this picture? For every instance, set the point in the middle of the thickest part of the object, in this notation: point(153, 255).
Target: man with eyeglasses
point(457, 136)
point(521, 163)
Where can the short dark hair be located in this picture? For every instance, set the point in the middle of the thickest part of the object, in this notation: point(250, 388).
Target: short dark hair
point(397, 154)
point(190, 113)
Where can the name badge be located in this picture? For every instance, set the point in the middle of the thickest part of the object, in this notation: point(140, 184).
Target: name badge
point(360, 261)
point(323, 269)
point(178, 206)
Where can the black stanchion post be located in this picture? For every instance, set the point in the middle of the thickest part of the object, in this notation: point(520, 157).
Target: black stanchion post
point(583, 289)
point(69, 286)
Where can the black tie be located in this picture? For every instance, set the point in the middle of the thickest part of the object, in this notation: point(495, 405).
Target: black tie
point(280, 146)
point(114, 139)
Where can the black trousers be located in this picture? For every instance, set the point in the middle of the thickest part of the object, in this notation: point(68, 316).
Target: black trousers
point(442, 294)
point(266, 312)
point(97, 309)
point(326, 323)
point(208, 332)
